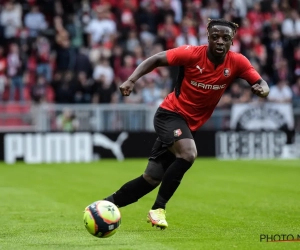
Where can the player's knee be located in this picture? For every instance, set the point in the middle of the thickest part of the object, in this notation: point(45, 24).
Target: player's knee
point(154, 172)
point(189, 154)
point(154, 181)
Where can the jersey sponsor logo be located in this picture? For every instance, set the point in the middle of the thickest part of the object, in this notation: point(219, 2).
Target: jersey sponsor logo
point(208, 86)
point(200, 69)
point(227, 72)
point(187, 47)
point(177, 132)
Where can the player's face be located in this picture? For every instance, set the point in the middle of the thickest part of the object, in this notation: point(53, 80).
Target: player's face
point(219, 40)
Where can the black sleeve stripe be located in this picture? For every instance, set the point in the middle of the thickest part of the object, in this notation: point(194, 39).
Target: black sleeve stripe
point(179, 80)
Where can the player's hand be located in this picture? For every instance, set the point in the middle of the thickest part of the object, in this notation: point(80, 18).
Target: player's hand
point(258, 90)
point(126, 88)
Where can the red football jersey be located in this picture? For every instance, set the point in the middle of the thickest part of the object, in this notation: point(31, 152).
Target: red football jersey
point(202, 84)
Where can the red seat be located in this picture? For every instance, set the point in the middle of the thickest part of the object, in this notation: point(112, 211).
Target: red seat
point(14, 122)
point(2, 108)
point(13, 114)
point(17, 108)
point(13, 108)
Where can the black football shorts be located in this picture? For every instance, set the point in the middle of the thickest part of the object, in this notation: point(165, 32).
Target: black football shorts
point(169, 127)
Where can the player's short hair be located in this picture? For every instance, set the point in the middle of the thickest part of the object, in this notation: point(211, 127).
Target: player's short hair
point(232, 25)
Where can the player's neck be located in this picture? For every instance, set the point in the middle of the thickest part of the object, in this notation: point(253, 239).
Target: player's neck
point(215, 60)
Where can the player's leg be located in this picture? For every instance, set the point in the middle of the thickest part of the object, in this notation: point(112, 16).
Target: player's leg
point(155, 171)
point(185, 152)
point(135, 189)
point(131, 192)
point(184, 148)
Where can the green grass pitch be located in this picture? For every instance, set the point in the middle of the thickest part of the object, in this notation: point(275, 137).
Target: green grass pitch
point(219, 205)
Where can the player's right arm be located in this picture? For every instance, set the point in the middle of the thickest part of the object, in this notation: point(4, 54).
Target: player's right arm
point(157, 60)
point(171, 57)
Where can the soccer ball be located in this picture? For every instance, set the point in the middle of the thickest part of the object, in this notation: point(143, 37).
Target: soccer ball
point(102, 219)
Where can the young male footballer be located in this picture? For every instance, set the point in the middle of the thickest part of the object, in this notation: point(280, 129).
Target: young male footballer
point(205, 72)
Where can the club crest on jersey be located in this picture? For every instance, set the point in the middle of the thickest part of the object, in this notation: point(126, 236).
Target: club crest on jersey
point(226, 72)
point(177, 132)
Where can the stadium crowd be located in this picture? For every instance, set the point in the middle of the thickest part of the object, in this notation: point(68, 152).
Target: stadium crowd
point(68, 51)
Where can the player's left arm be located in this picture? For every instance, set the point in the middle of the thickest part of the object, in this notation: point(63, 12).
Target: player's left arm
point(246, 71)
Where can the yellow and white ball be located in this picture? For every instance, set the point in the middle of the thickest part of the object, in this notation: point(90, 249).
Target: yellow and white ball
point(102, 219)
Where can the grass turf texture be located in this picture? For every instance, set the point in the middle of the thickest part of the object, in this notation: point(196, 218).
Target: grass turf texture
point(219, 205)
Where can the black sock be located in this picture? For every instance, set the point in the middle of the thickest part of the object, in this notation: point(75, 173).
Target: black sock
point(130, 192)
point(170, 182)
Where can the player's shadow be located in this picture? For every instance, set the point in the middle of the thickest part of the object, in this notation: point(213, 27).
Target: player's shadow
point(102, 243)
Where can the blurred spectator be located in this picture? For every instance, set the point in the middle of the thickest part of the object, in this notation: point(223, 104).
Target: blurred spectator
point(236, 45)
point(239, 94)
point(11, 19)
point(56, 83)
point(168, 31)
point(3, 78)
point(291, 25)
point(126, 70)
point(164, 9)
point(15, 72)
point(282, 71)
point(35, 21)
point(39, 90)
point(260, 50)
point(103, 68)
point(117, 59)
point(67, 121)
point(126, 14)
point(132, 41)
point(82, 62)
point(211, 10)
point(84, 13)
point(256, 17)
point(146, 17)
point(164, 81)
point(103, 90)
point(297, 61)
point(138, 55)
point(73, 27)
point(225, 101)
point(84, 89)
point(296, 92)
point(276, 12)
point(152, 95)
point(236, 8)
point(43, 58)
point(187, 33)
point(245, 34)
point(65, 90)
point(102, 29)
point(281, 92)
point(65, 57)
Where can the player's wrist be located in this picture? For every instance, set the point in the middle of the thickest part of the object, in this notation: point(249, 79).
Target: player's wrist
point(131, 80)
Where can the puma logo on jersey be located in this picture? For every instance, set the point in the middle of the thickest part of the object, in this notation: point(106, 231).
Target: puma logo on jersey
point(200, 69)
point(187, 47)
